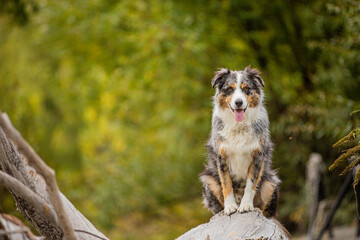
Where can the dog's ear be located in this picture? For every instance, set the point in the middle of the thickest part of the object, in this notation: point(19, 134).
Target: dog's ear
point(254, 73)
point(219, 78)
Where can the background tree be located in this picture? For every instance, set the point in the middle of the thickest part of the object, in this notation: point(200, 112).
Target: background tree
point(128, 85)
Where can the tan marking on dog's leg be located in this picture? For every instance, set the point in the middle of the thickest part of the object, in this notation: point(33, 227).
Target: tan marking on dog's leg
point(222, 152)
point(251, 171)
point(228, 184)
point(256, 151)
point(215, 188)
point(230, 205)
point(225, 179)
point(257, 181)
point(266, 191)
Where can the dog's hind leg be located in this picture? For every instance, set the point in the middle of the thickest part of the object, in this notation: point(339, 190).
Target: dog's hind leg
point(269, 194)
point(212, 193)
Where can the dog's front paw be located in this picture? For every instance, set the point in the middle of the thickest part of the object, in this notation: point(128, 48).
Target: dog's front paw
point(246, 207)
point(230, 208)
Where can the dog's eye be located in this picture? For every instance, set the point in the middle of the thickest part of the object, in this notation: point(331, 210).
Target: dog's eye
point(246, 90)
point(229, 89)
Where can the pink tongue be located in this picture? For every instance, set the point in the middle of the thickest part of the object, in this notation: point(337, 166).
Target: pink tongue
point(239, 115)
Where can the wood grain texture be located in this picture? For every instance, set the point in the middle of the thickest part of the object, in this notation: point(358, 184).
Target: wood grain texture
point(250, 225)
point(20, 174)
point(12, 228)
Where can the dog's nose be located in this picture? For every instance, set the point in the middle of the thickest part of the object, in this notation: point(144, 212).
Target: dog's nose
point(238, 102)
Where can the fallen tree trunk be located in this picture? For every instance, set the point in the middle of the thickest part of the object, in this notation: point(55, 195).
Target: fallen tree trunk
point(34, 187)
point(251, 225)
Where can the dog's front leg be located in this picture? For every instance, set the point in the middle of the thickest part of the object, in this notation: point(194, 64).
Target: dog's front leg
point(230, 205)
point(255, 173)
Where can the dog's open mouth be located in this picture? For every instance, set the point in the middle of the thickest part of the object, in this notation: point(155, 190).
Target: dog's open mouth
point(238, 113)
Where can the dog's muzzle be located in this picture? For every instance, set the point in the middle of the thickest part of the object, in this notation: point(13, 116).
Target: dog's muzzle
point(238, 113)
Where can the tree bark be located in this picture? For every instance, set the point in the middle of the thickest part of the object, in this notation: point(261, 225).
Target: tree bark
point(12, 228)
point(36, 198)
point(250, 225)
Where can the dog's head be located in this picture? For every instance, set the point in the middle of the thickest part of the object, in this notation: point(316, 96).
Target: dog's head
point(238, 90)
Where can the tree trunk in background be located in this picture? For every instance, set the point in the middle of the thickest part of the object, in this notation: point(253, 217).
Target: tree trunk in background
point(251, 225)
point(314, 170)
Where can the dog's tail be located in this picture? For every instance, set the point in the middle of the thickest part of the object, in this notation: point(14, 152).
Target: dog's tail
point(288, 235)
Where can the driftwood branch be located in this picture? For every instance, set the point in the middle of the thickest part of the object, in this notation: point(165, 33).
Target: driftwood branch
point(251, 225)
point(13, 228)
point(29, 196)
point(50, 212)
point(44, 170)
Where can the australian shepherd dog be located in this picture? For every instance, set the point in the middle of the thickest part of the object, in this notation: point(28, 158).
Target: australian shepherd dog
point(238, 175)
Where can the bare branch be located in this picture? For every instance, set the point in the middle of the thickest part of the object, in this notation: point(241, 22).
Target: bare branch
point(43, 169)
point(12, 228)
point(29, 196)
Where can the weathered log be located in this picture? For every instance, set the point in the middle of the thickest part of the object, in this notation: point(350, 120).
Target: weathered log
point(52, 219)
point(12, 228)
point(250, 225)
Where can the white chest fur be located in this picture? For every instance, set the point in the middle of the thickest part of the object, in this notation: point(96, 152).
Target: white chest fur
point(239, 143)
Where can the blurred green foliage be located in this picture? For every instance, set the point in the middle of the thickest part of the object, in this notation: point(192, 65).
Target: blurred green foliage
point(349, 159)
point(116, 97)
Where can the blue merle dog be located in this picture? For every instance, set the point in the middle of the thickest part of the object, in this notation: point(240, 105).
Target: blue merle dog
point(238, 175)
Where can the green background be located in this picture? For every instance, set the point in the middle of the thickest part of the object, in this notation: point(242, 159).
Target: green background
point(116, 97)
